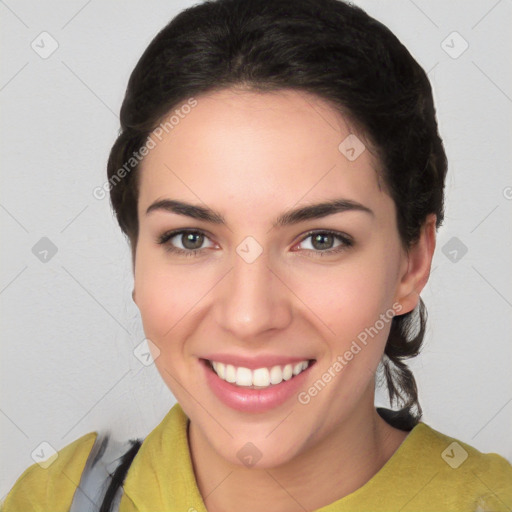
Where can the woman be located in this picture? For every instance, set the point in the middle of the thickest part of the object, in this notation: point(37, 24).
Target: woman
point(279, 176)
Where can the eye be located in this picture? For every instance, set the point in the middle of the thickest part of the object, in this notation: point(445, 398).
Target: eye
point(191, 240)
point(322, 242)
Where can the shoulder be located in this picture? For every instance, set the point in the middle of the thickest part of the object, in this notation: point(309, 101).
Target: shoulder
point(50, 485)
point(461, 470)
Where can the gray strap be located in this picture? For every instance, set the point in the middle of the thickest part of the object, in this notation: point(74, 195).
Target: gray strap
point(101, 463)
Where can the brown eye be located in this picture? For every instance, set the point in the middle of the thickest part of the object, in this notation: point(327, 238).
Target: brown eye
point(190, 240)
point(322, 242)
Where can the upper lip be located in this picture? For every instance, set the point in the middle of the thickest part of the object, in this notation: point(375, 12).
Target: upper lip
point(263, 361)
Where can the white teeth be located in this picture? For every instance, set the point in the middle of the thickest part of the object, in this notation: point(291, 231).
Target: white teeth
point(297, 368)
point(287, 372)
point(261, 377)
point(276, 375)
point(243, 376)
point(220, 368)
point(230, 373)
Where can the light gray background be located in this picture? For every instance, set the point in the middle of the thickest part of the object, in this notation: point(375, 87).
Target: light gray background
point(69, 326)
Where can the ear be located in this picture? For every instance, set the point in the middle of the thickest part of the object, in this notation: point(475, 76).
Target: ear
point(415, 268)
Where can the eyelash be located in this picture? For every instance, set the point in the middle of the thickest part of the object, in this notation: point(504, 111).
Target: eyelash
point(347, 242)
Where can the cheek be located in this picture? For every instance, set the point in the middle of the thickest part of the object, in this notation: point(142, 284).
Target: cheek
point(159, 296)
point(168, 296)
point(165, 300)
point(352, 297)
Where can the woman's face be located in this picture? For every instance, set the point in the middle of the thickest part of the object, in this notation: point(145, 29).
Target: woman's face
point(263, 291)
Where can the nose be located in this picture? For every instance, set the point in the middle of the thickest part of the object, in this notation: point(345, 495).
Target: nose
point(252, 299)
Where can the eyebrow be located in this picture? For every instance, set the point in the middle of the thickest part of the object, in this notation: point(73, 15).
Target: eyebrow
point(289, 217)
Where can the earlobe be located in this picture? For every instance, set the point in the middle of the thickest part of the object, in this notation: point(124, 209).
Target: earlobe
point(419, 260)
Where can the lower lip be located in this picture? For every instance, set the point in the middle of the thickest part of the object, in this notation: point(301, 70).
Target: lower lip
point(253, 400)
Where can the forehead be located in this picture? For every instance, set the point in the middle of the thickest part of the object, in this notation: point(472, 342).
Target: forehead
point(257, 148)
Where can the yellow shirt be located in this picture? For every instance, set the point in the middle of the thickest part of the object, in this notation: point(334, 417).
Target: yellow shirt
point(428, 472)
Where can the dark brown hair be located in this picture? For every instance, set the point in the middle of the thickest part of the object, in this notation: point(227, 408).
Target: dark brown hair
point(328, 48)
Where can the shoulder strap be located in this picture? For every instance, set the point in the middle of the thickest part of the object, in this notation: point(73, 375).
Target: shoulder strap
point(97, 474)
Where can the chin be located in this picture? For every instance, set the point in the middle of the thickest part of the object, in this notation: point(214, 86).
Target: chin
point(259, 453)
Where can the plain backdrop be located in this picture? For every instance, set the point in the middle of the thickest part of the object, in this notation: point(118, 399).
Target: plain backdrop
point(68, 324)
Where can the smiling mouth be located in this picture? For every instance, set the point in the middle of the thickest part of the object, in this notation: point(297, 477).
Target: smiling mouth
point(259, 378)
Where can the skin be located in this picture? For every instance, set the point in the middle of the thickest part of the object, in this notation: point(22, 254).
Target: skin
point(251, 156)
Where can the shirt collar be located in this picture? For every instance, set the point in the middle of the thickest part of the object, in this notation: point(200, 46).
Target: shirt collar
point(161, 476)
